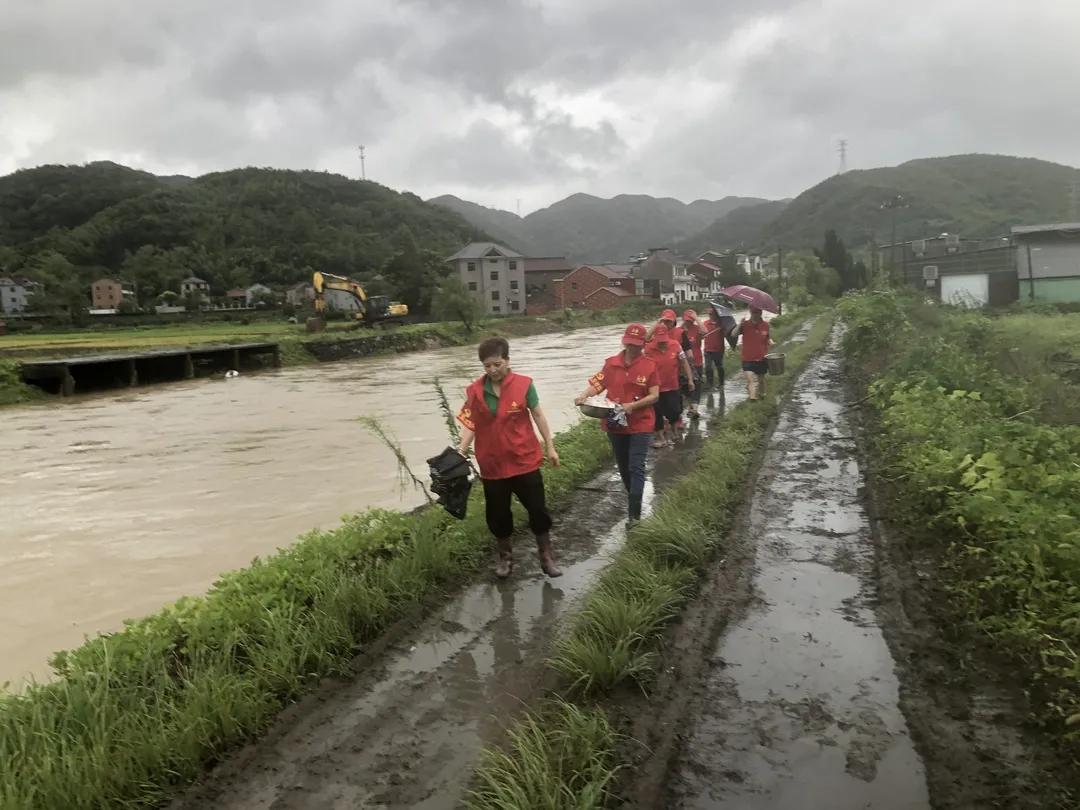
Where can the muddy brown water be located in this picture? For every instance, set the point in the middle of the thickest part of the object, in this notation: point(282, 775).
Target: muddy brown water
point(407, 730)
point(799, 706)
point(118, 503)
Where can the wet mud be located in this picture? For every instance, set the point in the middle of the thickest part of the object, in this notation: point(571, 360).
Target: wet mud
point(799, 701)
point(815, 670)
point(407, 729)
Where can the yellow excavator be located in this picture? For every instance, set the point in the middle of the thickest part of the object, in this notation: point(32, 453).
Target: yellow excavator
point(370, 309)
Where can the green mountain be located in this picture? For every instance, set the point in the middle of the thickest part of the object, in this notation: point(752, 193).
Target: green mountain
point(741, 228)
point(69, 224)
point(502, 226)
point(585, 228)
point(970, 195)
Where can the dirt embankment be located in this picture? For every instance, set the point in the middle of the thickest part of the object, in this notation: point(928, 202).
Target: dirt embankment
point(407, 729)
point(806, 675)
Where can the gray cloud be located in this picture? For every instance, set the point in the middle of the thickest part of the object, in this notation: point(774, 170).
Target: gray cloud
point(538, 98)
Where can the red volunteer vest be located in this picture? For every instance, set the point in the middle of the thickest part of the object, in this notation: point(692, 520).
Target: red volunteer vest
point(625, 383)
point(667, 364)
point(713, 342)
point(755, 340)
point(693, 331)
point(506, 443)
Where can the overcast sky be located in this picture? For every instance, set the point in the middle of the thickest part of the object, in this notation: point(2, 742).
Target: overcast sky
point(506, 100)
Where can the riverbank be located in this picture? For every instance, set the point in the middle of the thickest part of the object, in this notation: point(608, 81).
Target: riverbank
point(132, 714)
point(297, 347)
point(612, 647)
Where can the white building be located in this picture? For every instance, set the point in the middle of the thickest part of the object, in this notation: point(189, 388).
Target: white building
point(193, 285)
point(494, 274)
point(14, 294)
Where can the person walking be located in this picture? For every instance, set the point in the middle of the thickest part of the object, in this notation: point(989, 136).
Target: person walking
point(500, 410)
point(713, 347)
point(692, 335)
point(755, 345)
point(669, 359)
point(633, 383)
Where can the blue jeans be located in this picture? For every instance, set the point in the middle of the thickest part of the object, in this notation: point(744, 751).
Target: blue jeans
point(631, 450)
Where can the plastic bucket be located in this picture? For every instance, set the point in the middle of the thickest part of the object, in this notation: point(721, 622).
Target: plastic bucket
point(776, 363)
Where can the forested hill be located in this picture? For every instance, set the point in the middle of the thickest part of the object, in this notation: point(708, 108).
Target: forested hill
point(585, 228)
point(970, 195)
point(66, 225)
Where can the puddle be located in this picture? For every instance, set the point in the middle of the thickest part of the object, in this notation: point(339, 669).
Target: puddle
point(406, 732)
point(801, 700)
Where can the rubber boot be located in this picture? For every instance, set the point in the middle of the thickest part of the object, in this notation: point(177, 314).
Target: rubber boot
point(547, 555)
point(635, 508)
point(505, 561)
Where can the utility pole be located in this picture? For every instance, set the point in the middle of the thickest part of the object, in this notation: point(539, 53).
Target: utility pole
point(363, 166)
point(842, 149)
point(780, 279)
point(892, 205)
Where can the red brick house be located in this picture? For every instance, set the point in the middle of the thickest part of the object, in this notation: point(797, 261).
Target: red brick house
point(607, 298)
point(578, 288)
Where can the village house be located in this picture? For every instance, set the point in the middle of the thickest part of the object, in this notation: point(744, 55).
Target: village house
point(108, 293)
point(540, 273)
point(193, 285)
point(300, 294)
point(236, 298)
point(15, 294)
point(598, 286)
point(672, 272)
point(708, 278)
point(494, 274)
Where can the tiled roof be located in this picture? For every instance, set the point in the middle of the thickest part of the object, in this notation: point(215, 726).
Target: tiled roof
point(479, 250)
point(547, 264)
point(619, 291)
point(607, 270)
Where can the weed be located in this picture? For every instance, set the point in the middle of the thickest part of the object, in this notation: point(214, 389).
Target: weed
point(562, 758)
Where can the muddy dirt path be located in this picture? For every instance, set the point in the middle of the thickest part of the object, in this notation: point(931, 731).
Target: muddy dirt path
point(797, 705)
point(406, 731)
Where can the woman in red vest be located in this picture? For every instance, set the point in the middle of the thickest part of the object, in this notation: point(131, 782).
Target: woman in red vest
point(713, 345)
point(631, 380)
point(755, 345)
point(499, 412)
point(692, 335)
point(669, 358)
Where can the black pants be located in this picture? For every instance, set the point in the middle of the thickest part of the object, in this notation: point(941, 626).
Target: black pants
point(668, 407)
point(714, 360)
point(529, 489)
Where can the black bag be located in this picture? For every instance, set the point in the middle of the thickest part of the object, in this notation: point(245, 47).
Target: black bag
point(450, 481)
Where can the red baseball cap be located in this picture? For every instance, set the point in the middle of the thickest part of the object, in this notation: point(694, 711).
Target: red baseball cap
point(689, 315)
point(660, 332)
point(668, 315)
point(634, 335)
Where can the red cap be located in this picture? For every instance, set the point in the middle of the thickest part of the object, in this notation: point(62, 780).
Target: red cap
point(660, 332)
point(668, 315)
point(634, 335)
point(689, 315)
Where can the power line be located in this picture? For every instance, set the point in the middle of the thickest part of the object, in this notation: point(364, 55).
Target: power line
point(841, 147)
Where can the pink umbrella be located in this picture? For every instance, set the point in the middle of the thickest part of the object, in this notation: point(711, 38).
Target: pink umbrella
point(752, 296)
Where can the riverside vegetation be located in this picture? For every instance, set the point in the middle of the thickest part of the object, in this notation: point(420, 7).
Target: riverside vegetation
point(134, 714)
point(978, 448)
point(614, 640)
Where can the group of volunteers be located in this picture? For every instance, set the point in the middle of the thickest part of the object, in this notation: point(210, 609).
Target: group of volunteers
point(658, 374)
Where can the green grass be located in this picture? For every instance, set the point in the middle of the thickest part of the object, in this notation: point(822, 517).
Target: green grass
point(614, 639)
point(134, 714)
point(980, 455)
point(561, 758)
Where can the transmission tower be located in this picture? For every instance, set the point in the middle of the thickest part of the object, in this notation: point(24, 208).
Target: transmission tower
point(841, 147)
point(363, 166)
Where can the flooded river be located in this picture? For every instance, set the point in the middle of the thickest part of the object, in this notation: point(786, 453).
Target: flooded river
point(116, 504)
